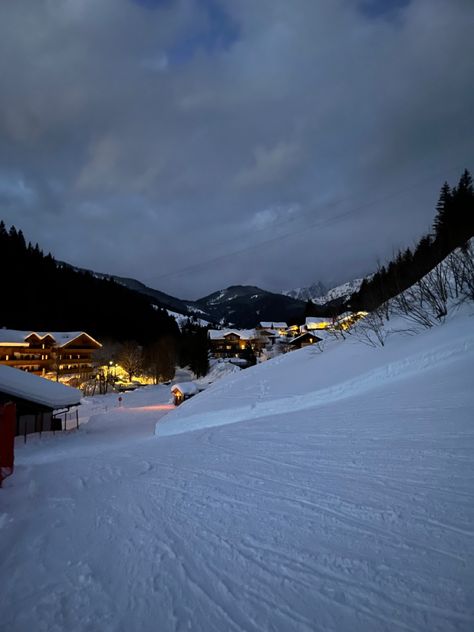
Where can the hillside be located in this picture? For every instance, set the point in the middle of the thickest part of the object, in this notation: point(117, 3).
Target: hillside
point(245, 306)
point(309, 378)
point(161, 299)
point(324, 490)
point(39, 293)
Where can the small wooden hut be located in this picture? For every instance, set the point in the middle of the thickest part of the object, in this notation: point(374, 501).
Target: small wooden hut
point(183, 391)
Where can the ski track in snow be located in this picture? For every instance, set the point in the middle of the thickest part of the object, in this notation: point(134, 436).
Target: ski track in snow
point(352, 513)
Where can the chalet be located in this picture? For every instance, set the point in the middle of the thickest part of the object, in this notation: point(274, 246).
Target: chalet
point(38, 401)
point(303, 340)
point(237, 343)
point(59, 353)
point(270, 336)
point(278, 326)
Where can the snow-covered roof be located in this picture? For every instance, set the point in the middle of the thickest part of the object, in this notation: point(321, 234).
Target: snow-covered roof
point(244, 334)
point(273, 325)
point(37, 389)
point(62, 338)
point(269, 331)
point(65, 337)
point(186, 388)
point(306, 334)
point(312, 320)
point(13, 336)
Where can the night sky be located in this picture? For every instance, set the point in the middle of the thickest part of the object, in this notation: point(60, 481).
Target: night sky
point(196, 144)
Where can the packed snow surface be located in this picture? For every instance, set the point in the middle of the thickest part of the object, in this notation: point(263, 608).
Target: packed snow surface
point(327, 491)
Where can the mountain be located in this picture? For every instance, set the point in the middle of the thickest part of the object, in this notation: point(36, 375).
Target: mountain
point(239, 305)
point(309, 293)
point(247, 305)
point(340, 293)
point(320, 295)
point(161, 299)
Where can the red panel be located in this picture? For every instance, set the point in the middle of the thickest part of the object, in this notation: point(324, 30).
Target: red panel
point(7, 440)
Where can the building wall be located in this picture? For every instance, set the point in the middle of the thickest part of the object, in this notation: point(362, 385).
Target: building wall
point(28, 424)
point(43, 358)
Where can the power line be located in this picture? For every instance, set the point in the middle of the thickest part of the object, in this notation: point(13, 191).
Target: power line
point(318, 223)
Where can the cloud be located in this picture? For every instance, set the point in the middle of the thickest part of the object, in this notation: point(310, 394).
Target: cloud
point(270, 164)
point(164, 133)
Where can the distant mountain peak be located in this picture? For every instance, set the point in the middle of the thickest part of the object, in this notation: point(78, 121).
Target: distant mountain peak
point(308, 293)
point(319, 294)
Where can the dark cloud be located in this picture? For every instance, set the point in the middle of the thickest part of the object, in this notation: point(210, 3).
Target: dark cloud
point(264, 142)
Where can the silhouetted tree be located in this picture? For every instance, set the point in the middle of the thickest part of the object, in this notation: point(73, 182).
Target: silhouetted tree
point(194, 350)
point(160, 359)
point(130, 358)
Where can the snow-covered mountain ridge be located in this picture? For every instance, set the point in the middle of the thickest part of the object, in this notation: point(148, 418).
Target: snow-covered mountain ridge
point(315, 290)
point(320, 295)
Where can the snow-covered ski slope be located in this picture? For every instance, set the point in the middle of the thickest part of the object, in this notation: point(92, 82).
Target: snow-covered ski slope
point(311, 377)
point(325, 491)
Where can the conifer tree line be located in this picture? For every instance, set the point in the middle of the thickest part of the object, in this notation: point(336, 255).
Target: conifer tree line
point(452, 228)
point(39, 294)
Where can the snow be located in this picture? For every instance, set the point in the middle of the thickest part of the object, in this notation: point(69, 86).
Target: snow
point(327, 491)
point(13, 336)
point(244, 334)
point(308, 377)
point(319, 295)
point(37, 389)
point(61, 337)
point(220, 368)
point(182, 319)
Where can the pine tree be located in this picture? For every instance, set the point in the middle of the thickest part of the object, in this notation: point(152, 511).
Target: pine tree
point(441, 222)
point(462, 221)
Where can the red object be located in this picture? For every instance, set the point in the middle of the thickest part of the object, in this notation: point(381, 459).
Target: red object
point(7, 440)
